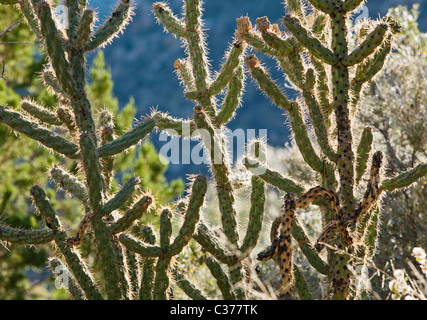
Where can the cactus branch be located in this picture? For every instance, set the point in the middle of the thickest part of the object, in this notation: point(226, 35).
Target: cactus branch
point(24, 236)
point(112, 27)
point(405, 179)
point(311, 43)
point(127, 140)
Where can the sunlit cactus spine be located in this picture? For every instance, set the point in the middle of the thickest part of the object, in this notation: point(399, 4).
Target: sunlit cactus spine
point(316, 57)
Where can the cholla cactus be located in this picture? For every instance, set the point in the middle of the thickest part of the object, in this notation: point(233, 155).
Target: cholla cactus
point(315, 56)
point(135, 266)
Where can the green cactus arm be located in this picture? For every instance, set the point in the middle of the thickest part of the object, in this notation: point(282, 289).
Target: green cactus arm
point(51, 81)
point(133, 272)
point(112, 259)
point(112, 27)
point(370, 231)
point(326, 6)
point(192, 216)
point(166, 17)
point(245, 32)
point(143, 249)
point(209, 242)
point(221, 278)
point(69, 183)
point(187, 286)
point(79, 101)
point(405, 179)
point(40, 113)
point(340, 92)
point(161, 280)
point(294, 67)
point(233, 97)
point(93, 175)
point(56, 267)
point(127, 140)
point(74, 18)
point(366, 71)
point(83, 226)
point(311, 43)
point(148, 235)
point(75, 263)
point(107, 163)
point(272, 177)
point(120, 198)
point(84, 29)
point(296, 8)
point(194, 95)
point(234, 59)
point(28, 11)
point(196, 48)
point(256, 214)
point(165, 228)
point(55, 48)
point(265, 83)
point(351, 5)
point(31, 129)
point(197, 53)
point(322, 88)
point(185, 74)
point(219, 165)
point(301, 284)
point(319, 24)
point(363, 151)
point(23, 236)
point(308, 249)
point(131, 215)
point(367, 47)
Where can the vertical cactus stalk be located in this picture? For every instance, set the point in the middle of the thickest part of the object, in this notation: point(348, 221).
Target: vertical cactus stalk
point(74, 261)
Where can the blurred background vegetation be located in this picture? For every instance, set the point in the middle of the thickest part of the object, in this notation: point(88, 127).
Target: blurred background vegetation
point(394, 106)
